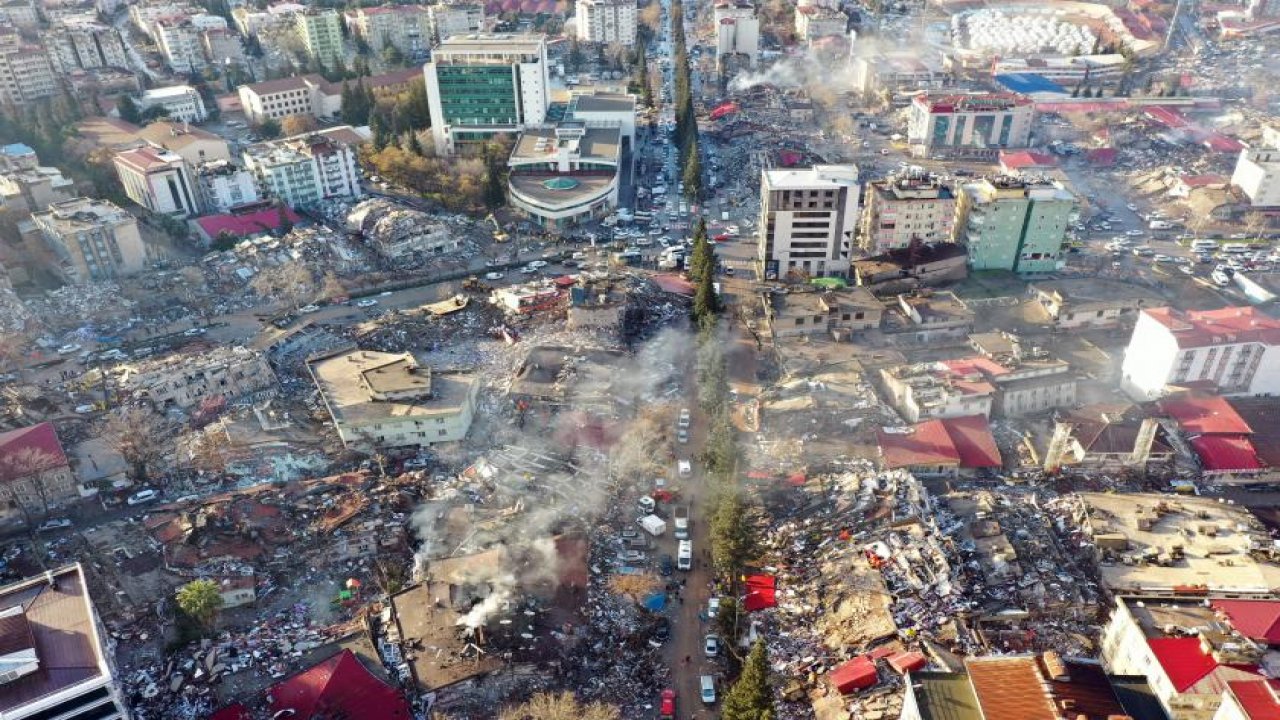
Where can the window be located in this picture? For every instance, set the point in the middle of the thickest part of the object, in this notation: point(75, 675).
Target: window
point(443, 432)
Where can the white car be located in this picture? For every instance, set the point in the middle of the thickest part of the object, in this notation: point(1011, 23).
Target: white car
point(69, 349)
point(367, 302)
point(711, 645)
point(1133, 233)
point(308, 309)
point(494, 276)
point(713, 608)
point(143, 496)
point(684, 468)
point(194, 332)
point(54, 524)
point(538, 264)
point(528, 269)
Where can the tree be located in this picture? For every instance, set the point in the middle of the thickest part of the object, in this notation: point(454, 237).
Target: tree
point(575, 58)
point(559, 706)
point(751, 698)
point(128, 109)
point(201, 600)
point(731, 540)
point(728, 618)
point(26, 476)
point(331, 287)
point(706, 304)
point(283, 223)
point(494, 192)
point(136, 432)
point(693, 173)
point(269, 129)
point(291, 125)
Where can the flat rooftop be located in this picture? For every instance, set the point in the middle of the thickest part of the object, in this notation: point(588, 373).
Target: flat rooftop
point(493, 43)
point(816, 177)
point(427, 622)
point(602, 102)
point(554, 196)
point(339, 379)
point(540, 144)
point(1083, 291)
point(1215, 537)
point(56, 620)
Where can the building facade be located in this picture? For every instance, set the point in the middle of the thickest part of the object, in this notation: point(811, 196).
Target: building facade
point(35, 475)
point(179, 41)
point(92, 240)
point(1235, 348)
point(479, 86)
point(906, 209)
point(158, 180)
point(606, 21)
point(25, 185)
point(304, 169)
point(183, 381)
point(737, 34)
point(815, 24)
point(182, 102)
point(977, 126)
point(455, 18)
point(1013, 224)
point(808, 219)
point(404, 27)
point(320, 31)
point(26, 73)
point(309, 95)
point(1257, 174)
point(223, 186)
point(565, 173)
point(83, 42)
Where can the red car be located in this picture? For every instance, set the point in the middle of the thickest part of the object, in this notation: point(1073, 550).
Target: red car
point(668, 709)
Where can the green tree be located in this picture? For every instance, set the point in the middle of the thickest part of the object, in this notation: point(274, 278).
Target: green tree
point(693, 174)
point(751, 697)
point(416, 106)
point(575, 59)
point(201, 600)
point(731, 538)
point(706, 304)
point(128, 109)
point(269, 129)
point(728, 618)
point(494, 192)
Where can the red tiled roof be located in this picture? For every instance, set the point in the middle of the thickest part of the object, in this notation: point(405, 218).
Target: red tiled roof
point(857, 674)
point(973, 441)
point(1255, 619)
point(338, 687)
point(1010, 689)
point(143, 158)
point(1200, 328)
point(1226, 453)
point(1182, 660)
point(1259, 699)
point(673, 284)
point(40, 437)
point(1202, 180)
point(905, 662)
point(1205, 414)
point(976, 365)
point(245, 225)
point(1026, 158)
point(928, 443)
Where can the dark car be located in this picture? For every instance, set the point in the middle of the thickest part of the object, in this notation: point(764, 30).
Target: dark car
point(668, 565)
point(661, 632)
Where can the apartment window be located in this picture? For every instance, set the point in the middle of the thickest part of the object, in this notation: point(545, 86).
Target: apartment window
point(443, 432)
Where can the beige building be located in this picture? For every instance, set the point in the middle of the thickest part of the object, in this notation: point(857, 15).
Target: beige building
point(27, 186)
point(83, 42)
point(837, 313)
point(1092, 302)
point(179, 41)
point(92, 240)
point(904, 209)
point(934, 390)
point(388, 400)
point(192, 144)
point(455, 18)
point(26, 73)
point(309, 95)
point(183, 381)
point(404, 27)
point(34, 471)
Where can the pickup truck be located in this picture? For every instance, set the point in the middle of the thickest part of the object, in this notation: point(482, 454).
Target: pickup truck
point(680, 516)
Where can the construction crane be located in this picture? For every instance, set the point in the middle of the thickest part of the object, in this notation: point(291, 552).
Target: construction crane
point(498, 234)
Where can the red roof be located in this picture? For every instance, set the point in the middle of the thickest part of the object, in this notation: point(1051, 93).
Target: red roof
point(1102, 156)
point(927, 444)
point(1226, 453)
point(1255, 619)
point(976, 365)
point(42, 438)
point(245, 225)
point(1026, 159)
point(668, 702)
point(673, 284)
point(1202, 328)
point(1259, 699)
point(1205, 414)
point(906, 662)
point(338, 687)
point(1202, 180)
point(1182, 660)
point(973, 440)
point(857, 674)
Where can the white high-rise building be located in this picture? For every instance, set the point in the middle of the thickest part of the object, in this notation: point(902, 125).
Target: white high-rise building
point(179, 41)
point(606, 21)
point(808, 218)
point(158, 180)
point(969, 125)
point(305, 169)
point(1235, 348)
point(455, 18)
point(1257, 175)
point(737, 33)
point(182, 102)
point(483, 85)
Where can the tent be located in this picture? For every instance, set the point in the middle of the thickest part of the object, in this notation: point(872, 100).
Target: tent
point(762, 592)
point(830, 283)
point(655, 602)
point(857, 674)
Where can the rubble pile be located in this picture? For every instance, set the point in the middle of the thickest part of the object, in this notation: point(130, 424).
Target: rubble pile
point(71, 306)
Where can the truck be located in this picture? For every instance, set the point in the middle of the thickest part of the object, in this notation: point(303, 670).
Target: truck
point(680, 516)
point(653, 525)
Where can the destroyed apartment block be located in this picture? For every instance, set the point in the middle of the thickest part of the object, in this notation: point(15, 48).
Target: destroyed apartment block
point(1196, 654)
point(378, 399)
point(1091, 303)
point(1108, 439)
point(184, 381)
point(920, 265)
point(980, 385)
point(596, 304)
point(528, 298)
point(552, 373)
point(835, 313)
point(925, 317)
point(940, 447)
point(396, 232)
point(1161, 545)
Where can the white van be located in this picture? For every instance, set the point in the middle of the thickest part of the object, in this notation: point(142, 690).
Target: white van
point(1204, 244)
point(1235, 248)
point(684, 556)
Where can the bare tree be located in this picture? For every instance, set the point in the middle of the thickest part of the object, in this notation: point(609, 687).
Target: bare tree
point(1257, 223)
point(136, 432)
point(331, 287)
point(204, 450)
point(561, 706)
point(26, 479)
point(635, 586)
point(13, 350)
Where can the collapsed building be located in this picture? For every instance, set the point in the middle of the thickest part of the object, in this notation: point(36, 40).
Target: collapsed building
point(395, 231)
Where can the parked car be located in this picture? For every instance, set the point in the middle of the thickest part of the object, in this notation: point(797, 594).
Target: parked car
point(494, 276)
point(54, 524)
point(69, 349)
point(143, 496)
point(308, 309)
point(668, 565)
point(713, 608)
point(631, 556)
point(711, 645)
point(366, 302)
point(707, 687)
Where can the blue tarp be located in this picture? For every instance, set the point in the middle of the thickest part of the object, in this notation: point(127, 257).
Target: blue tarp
point(655, 602)
point(1027, 83)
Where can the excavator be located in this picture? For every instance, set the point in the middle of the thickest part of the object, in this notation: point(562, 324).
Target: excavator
point(498, 234)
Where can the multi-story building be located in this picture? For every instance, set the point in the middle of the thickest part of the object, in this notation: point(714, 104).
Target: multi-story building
point(60, 660)
point(181, 102)
point(20, 14)
point(906, 209)
point(1257, 174)
point(1014, 224)
point(1069, 71)
point(25, 185)
point(223, 186)
point(606, 21)
point(320, 31)
point(1235, 348)
point(404, 27)
point(808, 218)
point(565, 173)
point(191, 143)
point(184, 381)
point(304, 169)
point(737, 34)
point(145, 15)
point(83, 42)
point(179, 42)
point(158, 180)
point(455, 18)
point(894, 72)
point(815, 24)
point(934, 390)
point(479, 86)
point(386, 400)
point(35, 475)
point(26, 73)
point(91, 239)
point(977, 126)
point(309, 95)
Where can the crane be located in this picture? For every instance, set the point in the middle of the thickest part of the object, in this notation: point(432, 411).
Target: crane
point(498, 234)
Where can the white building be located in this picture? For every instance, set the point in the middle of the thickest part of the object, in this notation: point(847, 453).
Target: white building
point(808, 218)
point(305, 169)
point(309, 95)
point(1236, 348)
point(737, 32)
point(1068, 71)
point(1257, 175)
point(83, 42)
point(26, 73)
point(179, 41)
point(194, 145)
point(91, 240)
point(565, 173)
point(223, 186)
point(387, 400)
point(979, 125)
point(815, 24)
point(404, 27)
point(482, 85)
point(455, 18)
point(606, 21)
point(59, 659)
point(158, 180)
point(182, 102)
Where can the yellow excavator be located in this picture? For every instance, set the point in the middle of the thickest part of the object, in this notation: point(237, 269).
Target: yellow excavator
point(498, 234)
